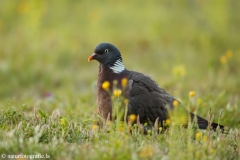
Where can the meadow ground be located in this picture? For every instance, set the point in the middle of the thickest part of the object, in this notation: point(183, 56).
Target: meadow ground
point(47, 87)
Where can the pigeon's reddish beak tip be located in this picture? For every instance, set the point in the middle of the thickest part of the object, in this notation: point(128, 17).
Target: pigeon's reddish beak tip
point(90, 58)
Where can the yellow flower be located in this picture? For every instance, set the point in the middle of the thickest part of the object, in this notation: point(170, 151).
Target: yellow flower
point(117, 92)
point(192, 93)
point(168, 121)
point(228, 54)
point(175, 103)
point(146, 152)
point(132, 117)
point(106, 85)
point(124, 82)
point(223, 59)
point(94, 127)
point(198, 135)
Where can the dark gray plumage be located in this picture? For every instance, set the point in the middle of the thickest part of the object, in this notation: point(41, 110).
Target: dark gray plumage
point(146, 98)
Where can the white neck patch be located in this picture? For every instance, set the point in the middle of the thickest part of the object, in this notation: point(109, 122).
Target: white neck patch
point(118, 67)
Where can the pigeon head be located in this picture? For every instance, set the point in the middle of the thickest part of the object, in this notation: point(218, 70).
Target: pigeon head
point(108, 55)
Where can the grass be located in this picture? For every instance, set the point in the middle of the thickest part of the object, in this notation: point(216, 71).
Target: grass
point(48, 98)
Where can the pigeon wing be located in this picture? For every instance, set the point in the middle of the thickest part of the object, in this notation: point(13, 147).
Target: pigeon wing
point(147, 99)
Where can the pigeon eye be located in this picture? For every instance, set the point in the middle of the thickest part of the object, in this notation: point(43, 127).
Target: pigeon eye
point(106, 51)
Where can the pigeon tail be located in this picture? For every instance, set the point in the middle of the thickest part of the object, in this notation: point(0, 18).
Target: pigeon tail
point(204, 124)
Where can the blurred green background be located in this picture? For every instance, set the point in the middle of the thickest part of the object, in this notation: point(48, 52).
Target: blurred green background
point(184, 45)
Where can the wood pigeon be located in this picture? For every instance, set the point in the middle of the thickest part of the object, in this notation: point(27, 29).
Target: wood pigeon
point(145, 97)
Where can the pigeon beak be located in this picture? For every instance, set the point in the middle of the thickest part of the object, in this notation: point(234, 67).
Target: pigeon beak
point(91, 57)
